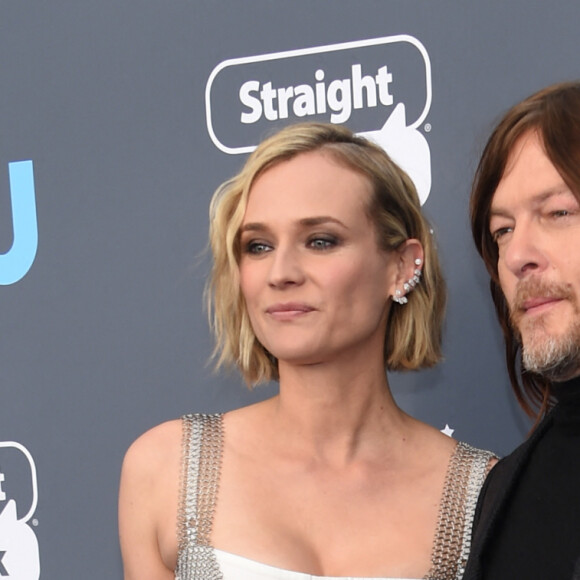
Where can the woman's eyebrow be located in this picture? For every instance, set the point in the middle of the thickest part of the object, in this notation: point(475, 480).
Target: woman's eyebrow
point(253, 227)
point(308, 222)
point(319, 220)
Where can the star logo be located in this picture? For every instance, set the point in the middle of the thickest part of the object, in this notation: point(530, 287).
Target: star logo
point(447, 430)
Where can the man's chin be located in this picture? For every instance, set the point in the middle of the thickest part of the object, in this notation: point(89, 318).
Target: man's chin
point(555, 359)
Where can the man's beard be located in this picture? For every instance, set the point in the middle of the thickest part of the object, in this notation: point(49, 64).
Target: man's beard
point(556, 358)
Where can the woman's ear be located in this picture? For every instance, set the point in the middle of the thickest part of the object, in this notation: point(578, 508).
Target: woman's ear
point(409, 258)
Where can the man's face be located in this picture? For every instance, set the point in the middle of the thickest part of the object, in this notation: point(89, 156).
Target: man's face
point(535, 221)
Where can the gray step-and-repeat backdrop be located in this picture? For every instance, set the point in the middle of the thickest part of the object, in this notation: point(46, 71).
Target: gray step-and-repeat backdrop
point(118, 119)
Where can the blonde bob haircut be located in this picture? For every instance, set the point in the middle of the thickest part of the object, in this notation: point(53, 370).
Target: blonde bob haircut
point(413, 337)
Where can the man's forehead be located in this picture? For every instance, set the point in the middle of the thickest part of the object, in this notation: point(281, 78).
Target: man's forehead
point(528, 173)
point(529, 139)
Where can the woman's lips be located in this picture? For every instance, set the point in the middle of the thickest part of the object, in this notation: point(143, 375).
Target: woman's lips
point(288, 310)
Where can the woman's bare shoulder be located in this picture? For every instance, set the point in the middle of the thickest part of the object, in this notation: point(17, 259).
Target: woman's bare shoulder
point(443, 445)
point(433, 442)
point(154, 454)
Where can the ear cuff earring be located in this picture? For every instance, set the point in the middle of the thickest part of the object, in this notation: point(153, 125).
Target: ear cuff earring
point(401, 298)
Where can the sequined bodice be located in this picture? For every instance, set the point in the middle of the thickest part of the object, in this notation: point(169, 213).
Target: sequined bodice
point(197, 559)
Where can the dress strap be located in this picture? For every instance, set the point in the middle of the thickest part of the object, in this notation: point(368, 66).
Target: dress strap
point(202, 443)
point(466, 473)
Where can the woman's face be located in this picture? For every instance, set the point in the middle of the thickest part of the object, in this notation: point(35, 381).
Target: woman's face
point(315, 283)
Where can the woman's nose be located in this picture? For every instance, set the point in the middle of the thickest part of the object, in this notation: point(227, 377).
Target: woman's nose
point(286, 268)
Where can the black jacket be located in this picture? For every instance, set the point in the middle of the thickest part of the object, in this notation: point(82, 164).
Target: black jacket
point(496, 495)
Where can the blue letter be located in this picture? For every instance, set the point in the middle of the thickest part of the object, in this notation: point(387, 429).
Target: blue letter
point(17, 260)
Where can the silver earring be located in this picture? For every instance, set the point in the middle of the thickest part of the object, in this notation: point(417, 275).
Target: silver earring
point(399, 297)
point(412, 282)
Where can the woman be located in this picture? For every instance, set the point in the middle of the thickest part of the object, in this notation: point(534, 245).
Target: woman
point(324, 274)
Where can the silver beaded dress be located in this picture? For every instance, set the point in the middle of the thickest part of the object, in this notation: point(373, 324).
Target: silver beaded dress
point(202, 450)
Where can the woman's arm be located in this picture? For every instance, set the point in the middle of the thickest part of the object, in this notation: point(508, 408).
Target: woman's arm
point(148, 504)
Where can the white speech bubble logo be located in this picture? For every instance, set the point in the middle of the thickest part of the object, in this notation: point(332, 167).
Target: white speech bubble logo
point(19, 553)
point(407, 147)
point(403, 142)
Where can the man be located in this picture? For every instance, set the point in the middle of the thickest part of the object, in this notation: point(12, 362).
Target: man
point(525, 217)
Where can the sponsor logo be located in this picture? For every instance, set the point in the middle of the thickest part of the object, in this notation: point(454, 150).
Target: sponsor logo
point(19, 555)
point(380, 88)
point(16, 262)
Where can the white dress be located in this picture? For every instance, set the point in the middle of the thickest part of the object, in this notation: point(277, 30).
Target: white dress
point(198, 560)
point(235, 567)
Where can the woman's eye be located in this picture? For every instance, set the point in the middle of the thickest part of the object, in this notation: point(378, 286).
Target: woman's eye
point(322, 243)
point(256, 248)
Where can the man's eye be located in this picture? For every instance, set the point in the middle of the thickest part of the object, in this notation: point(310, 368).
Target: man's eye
point(496, 235)
point(560, 213)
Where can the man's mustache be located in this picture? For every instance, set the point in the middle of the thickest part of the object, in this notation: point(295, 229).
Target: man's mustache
point(536, 288)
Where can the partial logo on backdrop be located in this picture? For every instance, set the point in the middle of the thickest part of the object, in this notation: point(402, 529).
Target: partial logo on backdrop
point(380, 88)
point(19, 555)
point(447, 430)
point(15, 263)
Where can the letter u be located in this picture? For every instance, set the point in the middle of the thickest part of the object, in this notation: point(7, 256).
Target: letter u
point(16, 262)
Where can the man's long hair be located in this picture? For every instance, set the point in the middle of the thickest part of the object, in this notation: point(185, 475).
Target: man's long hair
point(554, 115)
